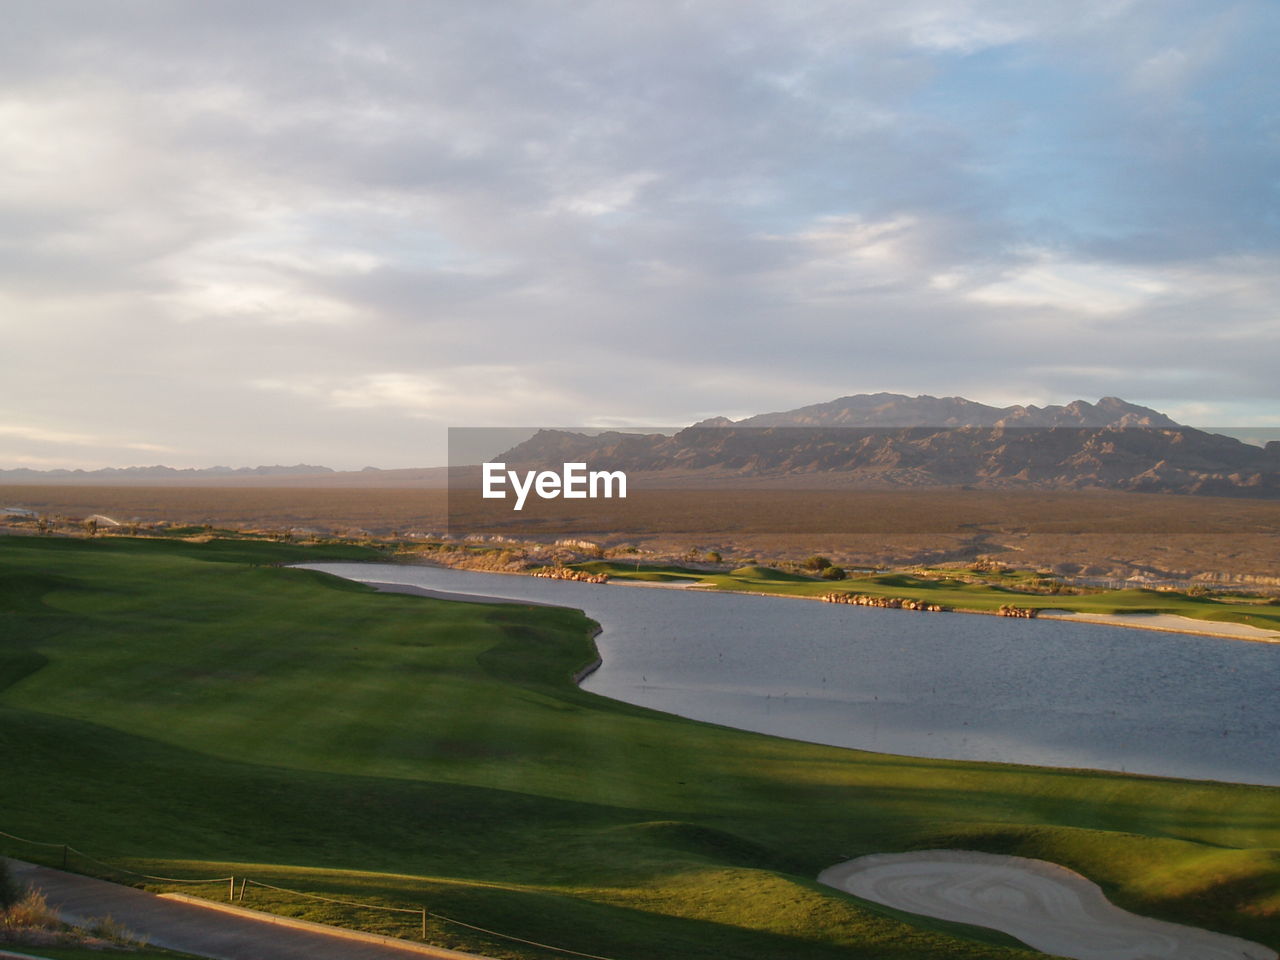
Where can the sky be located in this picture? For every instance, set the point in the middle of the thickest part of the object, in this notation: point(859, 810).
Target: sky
point(243, 233)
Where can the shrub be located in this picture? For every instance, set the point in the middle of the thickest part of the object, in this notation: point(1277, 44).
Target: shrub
point(108, 928)
point(834, 573)
point(9, 892)
point(30, 912)
point(817, 563)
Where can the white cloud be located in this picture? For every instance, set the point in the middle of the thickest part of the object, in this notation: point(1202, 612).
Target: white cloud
point(45, 436)
point(1073, 287)
point(612, 196)
point(398, 391)
point(219, 300)
point(957, 28)
point(466, 395)
point(839, 257)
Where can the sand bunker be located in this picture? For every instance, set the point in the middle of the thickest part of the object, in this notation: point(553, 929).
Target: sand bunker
point(1046, 906)
point(1168, 623)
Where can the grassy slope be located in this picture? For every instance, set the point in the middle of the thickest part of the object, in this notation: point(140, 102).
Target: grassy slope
point(182, 708)
point(959, 595)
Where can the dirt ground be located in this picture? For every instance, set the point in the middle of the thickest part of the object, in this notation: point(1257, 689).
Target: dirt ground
point(1092, 534)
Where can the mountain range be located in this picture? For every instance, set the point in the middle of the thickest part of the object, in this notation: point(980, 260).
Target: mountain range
point(896, 410)
point(159, 472)
point(870, 440)
point(891, 440)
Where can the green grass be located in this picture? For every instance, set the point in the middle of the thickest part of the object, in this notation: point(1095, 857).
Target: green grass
point(987, 594)
point(653, 573)
point(194, 710)
point(754, 572)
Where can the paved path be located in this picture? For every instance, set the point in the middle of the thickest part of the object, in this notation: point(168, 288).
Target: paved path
point(207, 931)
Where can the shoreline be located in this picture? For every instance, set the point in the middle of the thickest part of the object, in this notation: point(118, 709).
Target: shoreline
point(1157, 622)
point(408, 589)
point(387, 586)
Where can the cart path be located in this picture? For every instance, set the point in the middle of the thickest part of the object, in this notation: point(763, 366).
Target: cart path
point(209, 931)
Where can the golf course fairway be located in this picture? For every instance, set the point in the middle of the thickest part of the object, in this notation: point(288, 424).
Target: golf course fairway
point(195, 710)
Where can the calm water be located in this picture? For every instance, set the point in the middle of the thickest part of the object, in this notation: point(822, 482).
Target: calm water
point(933, 685)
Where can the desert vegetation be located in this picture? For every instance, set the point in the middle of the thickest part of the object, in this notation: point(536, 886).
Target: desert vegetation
point(1218, 542)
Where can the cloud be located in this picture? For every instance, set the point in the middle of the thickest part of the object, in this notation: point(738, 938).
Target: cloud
point(74, 439)
point(492, 392)
point(301, 231)
point(1098, 289)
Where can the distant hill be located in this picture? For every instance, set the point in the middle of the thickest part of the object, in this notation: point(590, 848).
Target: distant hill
point(896, 410)
point(298, 475)
point(890, 440)
point(135, 474)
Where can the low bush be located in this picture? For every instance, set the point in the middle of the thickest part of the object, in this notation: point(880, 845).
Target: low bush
point(29, 912)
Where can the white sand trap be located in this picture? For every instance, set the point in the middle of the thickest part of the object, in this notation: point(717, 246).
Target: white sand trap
point(1046, 906)
point(1169, 623)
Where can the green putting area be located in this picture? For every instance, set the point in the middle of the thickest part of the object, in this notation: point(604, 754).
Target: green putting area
point(198, 710)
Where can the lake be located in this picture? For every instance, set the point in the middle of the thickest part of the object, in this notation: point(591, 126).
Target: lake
point(958, 686)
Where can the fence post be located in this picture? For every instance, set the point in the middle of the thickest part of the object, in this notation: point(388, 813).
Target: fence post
point(231, 890)
point(424, 923)
point(244, 882)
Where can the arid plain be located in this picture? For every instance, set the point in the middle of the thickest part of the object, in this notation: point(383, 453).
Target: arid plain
point(1102, 533)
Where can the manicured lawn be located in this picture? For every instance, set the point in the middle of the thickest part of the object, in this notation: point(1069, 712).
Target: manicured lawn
point(192, 710)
